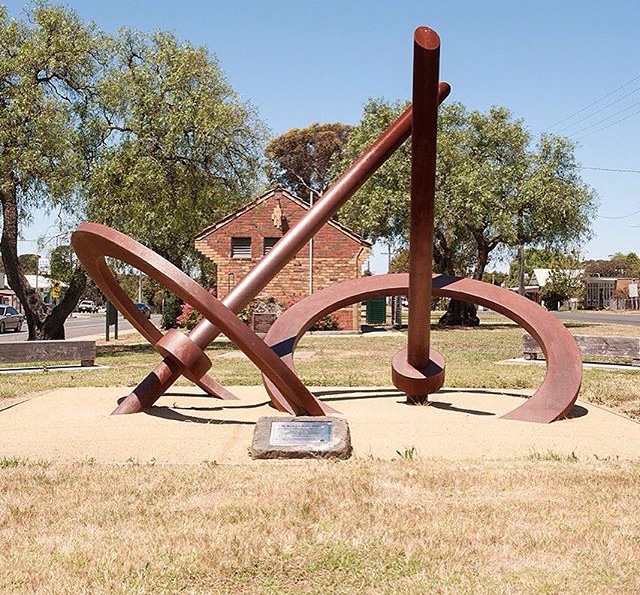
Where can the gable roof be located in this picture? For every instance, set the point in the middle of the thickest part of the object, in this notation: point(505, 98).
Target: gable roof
point(266, 196)
point(542, 275)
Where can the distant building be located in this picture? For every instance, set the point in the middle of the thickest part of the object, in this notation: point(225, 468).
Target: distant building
point(615, 293)
point(40, 282)
point(237, 242)
point(599, 292)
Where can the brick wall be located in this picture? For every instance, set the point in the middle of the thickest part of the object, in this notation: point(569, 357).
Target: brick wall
point(336, 255)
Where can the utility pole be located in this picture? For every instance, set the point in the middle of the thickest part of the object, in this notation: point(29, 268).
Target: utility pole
point(521, 287)
point(310, 248)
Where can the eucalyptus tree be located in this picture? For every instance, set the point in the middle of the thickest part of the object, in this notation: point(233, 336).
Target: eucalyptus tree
point(47, 67)
point(180, 149)
point(141, 132)
point(300, 159)
point(495, 190)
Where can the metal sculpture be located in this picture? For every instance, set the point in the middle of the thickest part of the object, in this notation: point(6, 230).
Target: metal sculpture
point(417, 370)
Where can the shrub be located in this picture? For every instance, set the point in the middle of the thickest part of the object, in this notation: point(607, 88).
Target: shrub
point(189, 317)
point(170, 312)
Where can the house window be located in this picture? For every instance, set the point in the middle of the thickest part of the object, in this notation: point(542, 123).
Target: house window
point(241, 247)
point(268, 244)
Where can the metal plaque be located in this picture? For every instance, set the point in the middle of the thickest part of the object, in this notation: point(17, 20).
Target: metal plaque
point(296, 433)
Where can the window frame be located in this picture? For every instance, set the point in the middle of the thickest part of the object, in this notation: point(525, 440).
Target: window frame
point(240, 247)
point(266, 249)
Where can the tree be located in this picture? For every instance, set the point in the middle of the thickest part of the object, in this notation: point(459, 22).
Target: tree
point(561, 285)
point(493, 191)
point(534, 258)
point(29, 263)
point(300, 159)
point(61, 262)
point(618, 265)
point(180, 149)
point(379, 210)
point(46, 70)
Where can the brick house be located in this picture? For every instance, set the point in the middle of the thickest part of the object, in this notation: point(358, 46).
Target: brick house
point(237, 242)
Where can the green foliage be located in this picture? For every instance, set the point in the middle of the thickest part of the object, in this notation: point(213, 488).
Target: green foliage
point(45, 73)
point(400, 261)
point(408, 453)
point(619, 265)
point(29, 263)
point(300, 158)
point(180, 149)
point(328, 323)
point(189, 317)
point(495, 277)
point(495, 189)
point(47, 68)
point(61, 262)
point(534, 258)
point(207, 272)
point(170, 312)
point(561, 285)
point(380, 208)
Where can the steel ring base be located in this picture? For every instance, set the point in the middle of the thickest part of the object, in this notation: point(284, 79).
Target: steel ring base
point(553, 399)
point(416, 383)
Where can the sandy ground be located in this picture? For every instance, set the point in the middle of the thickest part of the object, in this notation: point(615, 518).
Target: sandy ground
point(184, 427)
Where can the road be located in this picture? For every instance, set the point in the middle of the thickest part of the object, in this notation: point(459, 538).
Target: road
point(601, 317)
point(82, 325)
point(79, 325)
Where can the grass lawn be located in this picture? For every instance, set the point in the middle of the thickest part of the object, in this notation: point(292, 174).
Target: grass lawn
point(542, 524)
point(362, 526)
point(474, 358)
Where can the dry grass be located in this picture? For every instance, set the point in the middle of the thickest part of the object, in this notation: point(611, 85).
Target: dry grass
point(548, 524)
point(419, 526)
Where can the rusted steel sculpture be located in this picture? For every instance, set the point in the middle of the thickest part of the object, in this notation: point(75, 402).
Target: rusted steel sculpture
point(417, 370)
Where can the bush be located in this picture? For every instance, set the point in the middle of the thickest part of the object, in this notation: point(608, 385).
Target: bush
point(170, 312)
point(189, 317)
point(328, 323)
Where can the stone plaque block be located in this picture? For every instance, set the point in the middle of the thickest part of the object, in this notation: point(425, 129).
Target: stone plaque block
point(301, 438)
point(262, 321)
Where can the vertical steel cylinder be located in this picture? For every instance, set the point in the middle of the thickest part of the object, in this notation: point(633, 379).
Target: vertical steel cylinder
point(426, 57)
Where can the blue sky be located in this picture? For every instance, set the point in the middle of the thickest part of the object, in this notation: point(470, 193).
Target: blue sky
point(301, 61)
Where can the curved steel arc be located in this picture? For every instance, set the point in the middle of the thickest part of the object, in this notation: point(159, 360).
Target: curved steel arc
point(93, 242)
point(553, 399)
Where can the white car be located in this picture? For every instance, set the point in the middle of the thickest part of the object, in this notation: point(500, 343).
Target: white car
point(10, 319)
point(87, 306)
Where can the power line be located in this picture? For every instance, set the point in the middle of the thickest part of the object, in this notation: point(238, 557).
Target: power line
point(626, 171)
point(605, 119)
point(595, 102)
point(620, 216)
point(604, 107)
point(608, 125)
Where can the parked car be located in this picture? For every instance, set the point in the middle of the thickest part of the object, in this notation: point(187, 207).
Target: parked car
point(10, 319)
point(87, 306)
point(146, 311)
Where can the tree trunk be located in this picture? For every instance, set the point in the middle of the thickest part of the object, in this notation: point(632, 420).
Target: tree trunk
point(521, 286)
point(461, 313)
point(41, 324)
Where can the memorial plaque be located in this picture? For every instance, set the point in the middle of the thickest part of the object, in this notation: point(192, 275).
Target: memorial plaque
point(293, 433)
point(262, 321)
point(302, 437)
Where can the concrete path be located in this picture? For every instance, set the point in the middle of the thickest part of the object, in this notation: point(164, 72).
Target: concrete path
point(75, 425)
